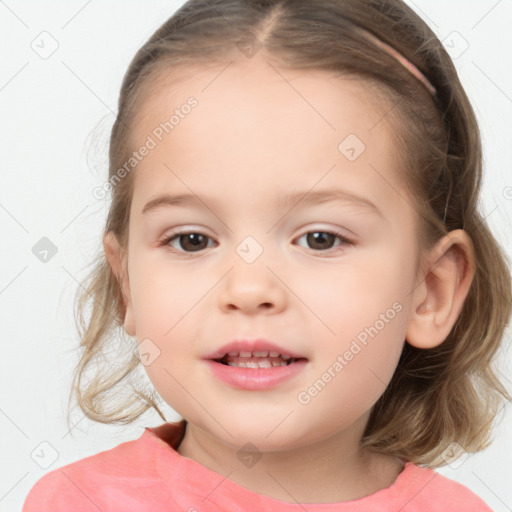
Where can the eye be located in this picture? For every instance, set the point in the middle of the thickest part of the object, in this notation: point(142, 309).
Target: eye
point(189, 241)
point(322, 240)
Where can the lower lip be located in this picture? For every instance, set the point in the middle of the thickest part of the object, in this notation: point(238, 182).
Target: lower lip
point(255, 379)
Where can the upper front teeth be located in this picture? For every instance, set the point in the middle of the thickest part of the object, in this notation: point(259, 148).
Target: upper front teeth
point(264, 363)
point(259, 353)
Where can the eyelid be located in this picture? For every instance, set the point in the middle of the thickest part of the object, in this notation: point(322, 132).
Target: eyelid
point(337, 234)
point(173, 233)
point(345, 241)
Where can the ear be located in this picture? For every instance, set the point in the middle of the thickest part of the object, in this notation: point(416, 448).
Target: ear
point(117, 261)
point(439, 298)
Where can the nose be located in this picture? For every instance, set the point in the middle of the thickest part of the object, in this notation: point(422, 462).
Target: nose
point(252, 288)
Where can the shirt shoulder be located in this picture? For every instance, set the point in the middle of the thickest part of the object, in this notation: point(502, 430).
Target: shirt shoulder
point(424, 489)
point(121, 478)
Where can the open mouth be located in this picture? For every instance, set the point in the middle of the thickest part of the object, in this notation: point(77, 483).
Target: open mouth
point(257, 359)
point(255, 368)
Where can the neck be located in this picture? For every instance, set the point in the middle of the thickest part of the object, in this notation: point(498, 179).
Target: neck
point(330, 470)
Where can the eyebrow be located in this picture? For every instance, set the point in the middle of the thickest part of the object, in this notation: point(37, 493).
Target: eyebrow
point(287, 201)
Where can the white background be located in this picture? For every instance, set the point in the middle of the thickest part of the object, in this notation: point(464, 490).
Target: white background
point(51, 109)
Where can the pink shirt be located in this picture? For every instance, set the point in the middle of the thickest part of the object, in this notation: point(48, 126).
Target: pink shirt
point(148, 474)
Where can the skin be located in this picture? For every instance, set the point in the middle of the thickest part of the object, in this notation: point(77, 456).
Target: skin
point(251, 139)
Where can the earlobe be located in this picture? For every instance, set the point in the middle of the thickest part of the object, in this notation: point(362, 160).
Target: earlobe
point(117, 263)
point(439, 298)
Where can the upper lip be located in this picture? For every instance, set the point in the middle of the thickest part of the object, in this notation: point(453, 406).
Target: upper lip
point(245, 345)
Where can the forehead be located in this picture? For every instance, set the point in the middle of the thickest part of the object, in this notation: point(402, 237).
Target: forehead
point(259, 82)
point(258, 125)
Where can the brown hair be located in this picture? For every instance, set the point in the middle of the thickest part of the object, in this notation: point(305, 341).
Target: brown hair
point(436, 396)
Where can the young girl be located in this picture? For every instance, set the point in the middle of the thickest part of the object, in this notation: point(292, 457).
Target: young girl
point(295, 251)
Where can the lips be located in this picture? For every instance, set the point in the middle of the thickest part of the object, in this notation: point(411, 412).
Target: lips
point(255, 365)
point(253, 351)
point(256, 359)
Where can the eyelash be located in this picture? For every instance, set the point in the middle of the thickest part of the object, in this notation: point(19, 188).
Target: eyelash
point(165, 242)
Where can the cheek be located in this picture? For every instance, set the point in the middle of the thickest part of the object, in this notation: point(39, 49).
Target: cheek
point(167, 300)
point(352, 377)
point(353, 294)
point(161, 296)
point(163, 307)
point(366, 311)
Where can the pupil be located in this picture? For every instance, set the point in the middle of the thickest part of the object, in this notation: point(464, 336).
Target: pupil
point(319, 237)
point(194, 238)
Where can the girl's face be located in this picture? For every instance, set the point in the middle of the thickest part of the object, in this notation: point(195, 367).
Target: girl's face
point(271, 163)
